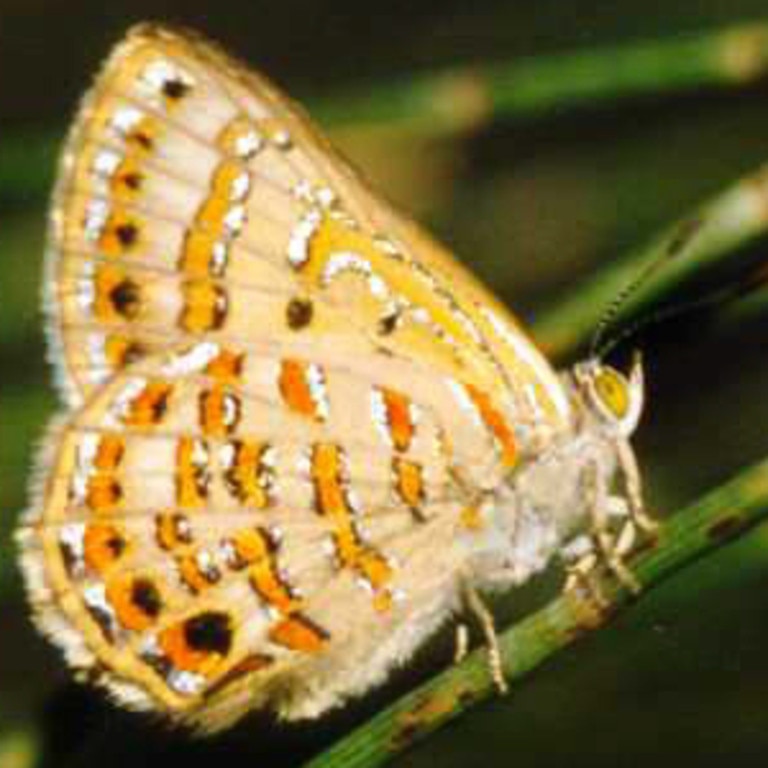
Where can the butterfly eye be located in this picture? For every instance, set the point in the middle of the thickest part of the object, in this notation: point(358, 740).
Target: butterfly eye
point(612, 391)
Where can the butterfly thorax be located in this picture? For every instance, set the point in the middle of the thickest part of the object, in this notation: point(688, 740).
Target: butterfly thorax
point(554, 496)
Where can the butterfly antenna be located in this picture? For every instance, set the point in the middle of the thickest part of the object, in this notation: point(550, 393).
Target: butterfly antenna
point(677, 244)
point(713, 299)
point(599, 346)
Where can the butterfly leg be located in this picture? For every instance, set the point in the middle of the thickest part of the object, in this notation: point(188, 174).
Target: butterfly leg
point(633, 489)
point(611, 539)
point(614, 543)
point(630, 509)
point(479, 610)
point(462, 643)
point(581, 562)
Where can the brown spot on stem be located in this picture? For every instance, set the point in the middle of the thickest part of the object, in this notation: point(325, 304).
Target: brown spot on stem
point(429, 710)
point(727, 528)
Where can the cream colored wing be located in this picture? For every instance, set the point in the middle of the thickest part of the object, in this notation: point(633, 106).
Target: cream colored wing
point(221, 529)
point(195, 201)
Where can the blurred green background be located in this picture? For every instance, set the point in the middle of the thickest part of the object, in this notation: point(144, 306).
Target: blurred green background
point(532, 206)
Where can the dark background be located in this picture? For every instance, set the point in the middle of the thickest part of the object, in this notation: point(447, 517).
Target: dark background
point(681, 679)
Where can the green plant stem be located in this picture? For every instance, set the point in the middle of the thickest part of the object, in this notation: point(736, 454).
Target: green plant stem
point(462, 98)
point(723, 515)
point(712, 236)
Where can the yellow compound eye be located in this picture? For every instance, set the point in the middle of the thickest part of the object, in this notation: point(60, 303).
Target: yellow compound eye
point(612, 391)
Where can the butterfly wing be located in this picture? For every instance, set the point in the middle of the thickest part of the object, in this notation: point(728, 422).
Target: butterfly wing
point(223, 528)
point(196, 201)
point(292, 399)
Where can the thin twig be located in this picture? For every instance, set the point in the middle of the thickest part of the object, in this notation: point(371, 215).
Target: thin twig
point(720, 517)
point(462, 98)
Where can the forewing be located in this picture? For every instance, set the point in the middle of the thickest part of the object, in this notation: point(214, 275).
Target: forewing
point(221, 528)
point(195, 201)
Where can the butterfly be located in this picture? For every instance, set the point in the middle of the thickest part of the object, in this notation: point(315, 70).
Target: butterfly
point(298, 433)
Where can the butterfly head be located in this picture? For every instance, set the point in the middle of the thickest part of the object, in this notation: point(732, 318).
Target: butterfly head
point(613, 398)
